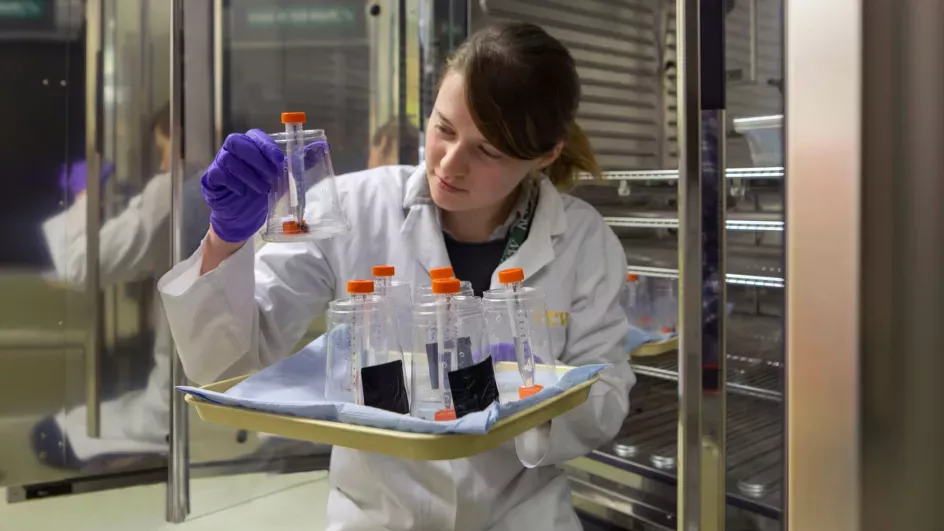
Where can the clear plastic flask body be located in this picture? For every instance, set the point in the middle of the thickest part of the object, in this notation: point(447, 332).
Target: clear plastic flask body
point(303, 202)
point(448, 337)
point(636, 302)
point(518, 330)
point(664, 294)
point(398, 297)
point(362, 367)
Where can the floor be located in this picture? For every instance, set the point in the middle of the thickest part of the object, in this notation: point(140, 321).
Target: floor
point(294, 502)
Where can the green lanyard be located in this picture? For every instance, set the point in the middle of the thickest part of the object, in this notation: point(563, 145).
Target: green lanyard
point(518, 232)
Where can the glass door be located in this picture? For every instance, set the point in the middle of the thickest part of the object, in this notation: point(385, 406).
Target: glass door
point(693, 185)
point(352, 66)
point(83, 363)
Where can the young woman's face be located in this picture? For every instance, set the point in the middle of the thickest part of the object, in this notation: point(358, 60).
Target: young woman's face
point(465, 172)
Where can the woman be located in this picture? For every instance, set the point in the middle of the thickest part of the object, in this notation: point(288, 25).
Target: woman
point(500, 137)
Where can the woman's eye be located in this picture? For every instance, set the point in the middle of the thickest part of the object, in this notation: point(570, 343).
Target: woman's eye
point(490, 154)
point(443, 130)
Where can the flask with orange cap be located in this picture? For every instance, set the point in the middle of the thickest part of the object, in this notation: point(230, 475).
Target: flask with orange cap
point(361, 366)
point(516, 317)
point(398, 299)
point(303, 202)
point(452, 373)
point(635, 300)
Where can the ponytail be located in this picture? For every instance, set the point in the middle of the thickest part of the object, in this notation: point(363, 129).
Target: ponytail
point(575, 158)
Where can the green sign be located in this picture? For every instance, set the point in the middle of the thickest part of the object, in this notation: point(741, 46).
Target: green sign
point(22, 9)
point(301, 16)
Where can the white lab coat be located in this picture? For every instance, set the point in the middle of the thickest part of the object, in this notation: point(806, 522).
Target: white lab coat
point(252, 309)
point(133, 244)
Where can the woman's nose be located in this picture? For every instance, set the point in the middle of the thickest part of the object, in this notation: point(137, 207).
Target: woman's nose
point(453, 161)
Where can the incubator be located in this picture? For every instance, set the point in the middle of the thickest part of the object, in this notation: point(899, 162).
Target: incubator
point(451, 367)
point(440, 273)
point(303, 202)
point(516, 318)
point(363, 366)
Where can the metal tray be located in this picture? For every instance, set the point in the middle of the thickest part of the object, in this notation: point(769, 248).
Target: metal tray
point(420, 446)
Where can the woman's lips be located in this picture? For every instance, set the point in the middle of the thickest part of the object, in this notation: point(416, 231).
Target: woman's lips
point(446, 187)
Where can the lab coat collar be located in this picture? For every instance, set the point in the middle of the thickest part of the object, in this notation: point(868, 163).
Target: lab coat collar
point(416, 189)
point(423, 231)
point(550, 222)
point(421, 228)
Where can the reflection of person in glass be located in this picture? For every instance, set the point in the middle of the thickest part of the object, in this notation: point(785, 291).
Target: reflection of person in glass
point(134, 245)
point(391, 139)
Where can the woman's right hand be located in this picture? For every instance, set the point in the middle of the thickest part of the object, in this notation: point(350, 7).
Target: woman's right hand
point(236, 185)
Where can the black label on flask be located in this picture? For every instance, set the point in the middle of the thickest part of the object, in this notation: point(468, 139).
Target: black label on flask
point(463, 354)
point(385, 387)
point(473, 388)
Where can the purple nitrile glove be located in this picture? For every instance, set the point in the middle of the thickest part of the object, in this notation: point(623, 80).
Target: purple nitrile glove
point(237, 184)
point(73, 179)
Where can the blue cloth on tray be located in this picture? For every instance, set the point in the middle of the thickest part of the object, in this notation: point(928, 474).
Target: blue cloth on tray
point(295, 386)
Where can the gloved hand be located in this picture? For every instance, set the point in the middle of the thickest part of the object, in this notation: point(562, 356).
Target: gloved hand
point(237, 184)
point(73, 179)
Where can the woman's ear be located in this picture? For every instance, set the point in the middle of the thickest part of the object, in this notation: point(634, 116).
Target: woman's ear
point(548, 159)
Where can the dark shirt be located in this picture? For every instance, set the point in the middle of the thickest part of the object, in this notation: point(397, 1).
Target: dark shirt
point(475, 262)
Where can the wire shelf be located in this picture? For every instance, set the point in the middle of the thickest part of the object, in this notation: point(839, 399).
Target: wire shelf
point(673, 223)
point(773, 172)
point(745, 376)
point(754, 366)
point(754, 430)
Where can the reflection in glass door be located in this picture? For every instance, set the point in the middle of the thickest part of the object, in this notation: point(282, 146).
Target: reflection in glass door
point(352, 67)
point(81, 349)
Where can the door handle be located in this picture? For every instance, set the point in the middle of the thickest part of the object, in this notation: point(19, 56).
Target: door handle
point(93, 158)
point(701, 108)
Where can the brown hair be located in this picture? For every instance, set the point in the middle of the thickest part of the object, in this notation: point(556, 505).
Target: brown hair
point(522, 91)
point(160, 120)
point(397, 132)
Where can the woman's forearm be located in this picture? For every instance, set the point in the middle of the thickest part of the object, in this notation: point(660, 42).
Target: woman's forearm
point(216, 250)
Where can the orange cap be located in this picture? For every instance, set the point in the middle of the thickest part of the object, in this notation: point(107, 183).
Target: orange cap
point(441, 272)
point(293, 118)
point(632, 277)
point(291, 227)
point(446, 286)
point(444, 414)
point(360, 286)
point(383, 271)
point(508, 276)
point(525, 392)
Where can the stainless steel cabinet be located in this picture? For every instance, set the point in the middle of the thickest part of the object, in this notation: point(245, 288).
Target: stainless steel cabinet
point(628, 58)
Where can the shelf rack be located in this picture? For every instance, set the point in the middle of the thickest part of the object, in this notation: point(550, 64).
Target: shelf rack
point(768, 173)
point(673, 223)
